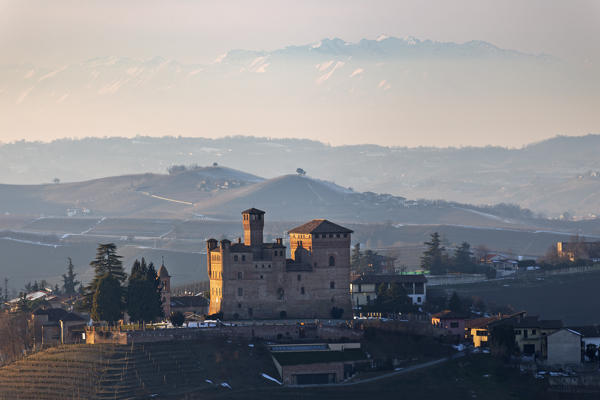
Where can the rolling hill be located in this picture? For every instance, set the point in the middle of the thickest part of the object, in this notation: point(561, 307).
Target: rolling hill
point(218, 192)
point(552, 177)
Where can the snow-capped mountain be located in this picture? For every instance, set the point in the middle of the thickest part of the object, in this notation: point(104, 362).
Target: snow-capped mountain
point(349, 88)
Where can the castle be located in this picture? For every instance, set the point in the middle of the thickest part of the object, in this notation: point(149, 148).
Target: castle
point(255, 280)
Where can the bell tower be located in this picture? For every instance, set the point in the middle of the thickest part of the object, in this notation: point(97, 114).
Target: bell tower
point(254, 222)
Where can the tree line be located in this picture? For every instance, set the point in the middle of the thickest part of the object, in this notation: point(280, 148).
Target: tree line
point(112, 292)
point(438, 261)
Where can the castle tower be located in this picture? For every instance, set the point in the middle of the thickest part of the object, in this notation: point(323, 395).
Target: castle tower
point(254, 223)
point(165, 289)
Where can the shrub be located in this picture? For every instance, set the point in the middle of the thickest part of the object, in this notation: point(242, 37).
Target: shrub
point(177, 318)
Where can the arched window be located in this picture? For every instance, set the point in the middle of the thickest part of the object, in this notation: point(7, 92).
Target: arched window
point(331, 261)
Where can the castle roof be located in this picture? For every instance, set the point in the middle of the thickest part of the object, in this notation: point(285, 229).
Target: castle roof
point(253, 211)
point(320, 226)
point(162, 272)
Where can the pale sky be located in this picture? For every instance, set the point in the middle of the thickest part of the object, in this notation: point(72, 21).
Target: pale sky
point(54, 33)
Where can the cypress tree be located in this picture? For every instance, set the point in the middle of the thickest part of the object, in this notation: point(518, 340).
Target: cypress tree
point(144, 302)
point(106, 301)
point(69, 282)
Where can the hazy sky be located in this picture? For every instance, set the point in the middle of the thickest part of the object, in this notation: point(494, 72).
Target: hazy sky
point(55, 33)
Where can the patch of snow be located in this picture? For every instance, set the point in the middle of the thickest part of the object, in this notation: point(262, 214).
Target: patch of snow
point(382, 37)
point(271, 378)
point(225, 385)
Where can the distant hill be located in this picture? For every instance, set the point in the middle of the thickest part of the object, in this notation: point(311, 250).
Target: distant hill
point(552, 177)
point(218, 192)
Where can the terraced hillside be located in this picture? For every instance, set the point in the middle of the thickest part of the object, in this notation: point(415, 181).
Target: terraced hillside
point(168, 369)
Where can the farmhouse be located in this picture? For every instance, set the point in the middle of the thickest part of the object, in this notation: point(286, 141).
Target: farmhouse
point(253, 279)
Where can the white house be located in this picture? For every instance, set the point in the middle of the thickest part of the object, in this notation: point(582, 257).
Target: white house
point(364, 288)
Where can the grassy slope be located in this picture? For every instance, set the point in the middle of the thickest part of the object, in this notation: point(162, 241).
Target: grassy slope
point(570, 298)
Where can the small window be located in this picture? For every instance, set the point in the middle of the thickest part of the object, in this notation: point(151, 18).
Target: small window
point(337, 235)
point(302, 290)
point(243, 257)
point(453, 324)
point(368, 299)
point(359, 288)
point(331, 261)
point(269, 265)
point(418, 299)
point(533, 331)
point(240, 291)
point(331, 235)
point(235, 258)
point(239, 275)
point(345, 235)
point(263, 265)
point(249, 311)
point(332, 285)
point(299, 277)
point(261, 277)
point(255, 265)
point(239, 305)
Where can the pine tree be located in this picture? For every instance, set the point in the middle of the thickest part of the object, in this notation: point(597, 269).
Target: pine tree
point(463, 258)
point(107, 262)
point(455, 303)
point(432, 258)
point(69, 282)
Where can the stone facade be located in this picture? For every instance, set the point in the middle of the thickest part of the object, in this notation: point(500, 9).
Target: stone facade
point(165, 289)
point(255, 280)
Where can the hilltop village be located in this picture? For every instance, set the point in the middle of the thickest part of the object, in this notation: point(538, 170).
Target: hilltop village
point(311, 309)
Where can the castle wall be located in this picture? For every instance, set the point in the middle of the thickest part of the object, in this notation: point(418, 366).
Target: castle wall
point(257, 282)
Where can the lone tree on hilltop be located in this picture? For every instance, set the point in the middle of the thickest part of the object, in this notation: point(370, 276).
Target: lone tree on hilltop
point(432, 258)
point(106, 302)
point(144, 302)
point(69, 282)
point(107, 262)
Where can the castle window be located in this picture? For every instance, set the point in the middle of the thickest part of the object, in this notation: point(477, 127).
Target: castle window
point(332, 285)
point(239, 275)
point(302, 290)
point(239, 305)
point(261, 277)
point(235, 258)
point(299, 277)
point(345, 235)
point(243, 257)
point(240, 291)
point(338, 235)
point(269, 265)
point(331, 261)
